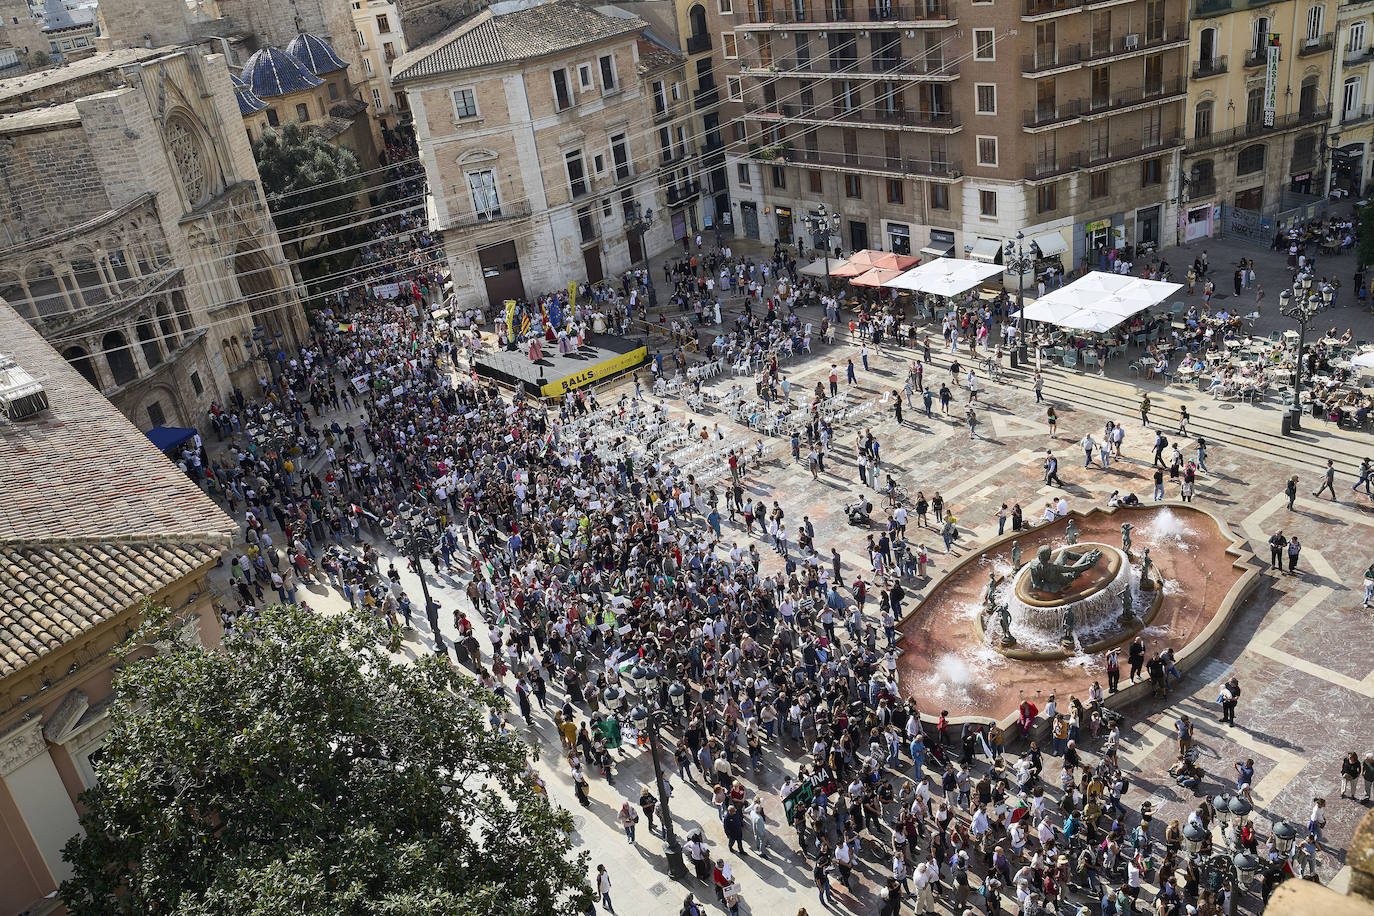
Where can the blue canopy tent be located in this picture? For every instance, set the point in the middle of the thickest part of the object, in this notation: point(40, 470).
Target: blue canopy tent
point(167, 438)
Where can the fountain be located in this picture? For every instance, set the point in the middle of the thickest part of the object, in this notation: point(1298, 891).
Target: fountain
point(997, 625)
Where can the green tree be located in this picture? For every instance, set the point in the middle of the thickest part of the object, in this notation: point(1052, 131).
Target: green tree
point(312, 189)
point(306, 768)
point(1364, 237)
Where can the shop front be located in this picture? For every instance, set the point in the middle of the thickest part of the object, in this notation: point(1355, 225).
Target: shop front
point(941, 244)
point(1101, 237)
point(899, 238)
point(1199, 221)
point(784, 225)
point(1347, 167)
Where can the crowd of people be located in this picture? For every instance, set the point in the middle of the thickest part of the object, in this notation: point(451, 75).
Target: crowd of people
point(581, 563)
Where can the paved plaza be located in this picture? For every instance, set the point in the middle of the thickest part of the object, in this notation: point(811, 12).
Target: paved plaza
point(1302, 647)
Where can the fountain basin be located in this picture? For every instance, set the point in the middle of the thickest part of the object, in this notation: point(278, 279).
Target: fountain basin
point(952, 656)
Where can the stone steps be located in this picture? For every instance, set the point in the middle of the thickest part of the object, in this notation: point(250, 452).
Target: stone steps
point(1307, 447)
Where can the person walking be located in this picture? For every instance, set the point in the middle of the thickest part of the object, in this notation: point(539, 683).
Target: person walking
point(1145, 411)
point(1228, 698)
point(1052, 470)
point(733, 823)
point(972, 419)
point(1201, 459)
point(1053, 420)
point(1161, 443)
point(758, 823)
point(1328, 479)
point(1290, 489)
point(1366, 477)
point(603, 887)
point(629, 817)
point(1089, 445)
point(897, 405)
point(1136, 655)
point(1183, 419)
point(1368, 585)
point(1367, 773)
point(1039, 387)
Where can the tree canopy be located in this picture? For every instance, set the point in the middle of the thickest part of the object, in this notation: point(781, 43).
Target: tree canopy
point(311, 187)
point(1364, 236)
point(304, 768)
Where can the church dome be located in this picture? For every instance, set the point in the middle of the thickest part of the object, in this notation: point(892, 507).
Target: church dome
point(248, 102)
point(315, 53)
point(272, 72)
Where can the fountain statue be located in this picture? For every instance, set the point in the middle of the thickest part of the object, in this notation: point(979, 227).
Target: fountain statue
point(1066, 621)
point(1127, 605)
point(1015, 555)
point(1126, 529)
point(989, 593)
point(1071, 534)
point(1004, 618)
point(1054, 574)
point(1147, 567)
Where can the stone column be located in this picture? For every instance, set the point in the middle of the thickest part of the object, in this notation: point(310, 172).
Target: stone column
point(38, 792)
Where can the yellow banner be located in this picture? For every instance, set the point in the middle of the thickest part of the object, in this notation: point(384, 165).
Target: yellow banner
point(510, 318)
point(572, 296)
point(604, 369)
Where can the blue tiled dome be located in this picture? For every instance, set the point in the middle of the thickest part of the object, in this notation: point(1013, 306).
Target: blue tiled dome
point(272, 72)
point(315, 53)
point(248, 102)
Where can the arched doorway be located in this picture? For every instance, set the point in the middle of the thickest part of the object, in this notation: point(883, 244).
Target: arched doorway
point(119, 357)
point(80, 360)
point(147, 339)
point(258, 284)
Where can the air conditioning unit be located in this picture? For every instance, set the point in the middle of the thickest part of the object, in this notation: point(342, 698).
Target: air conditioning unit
point(21, 395)
point(1132, 41)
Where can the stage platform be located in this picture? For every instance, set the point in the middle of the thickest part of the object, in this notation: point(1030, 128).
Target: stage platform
point(601, 358)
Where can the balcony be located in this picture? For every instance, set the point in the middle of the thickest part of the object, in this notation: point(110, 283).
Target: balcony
point(1355, 57)
point(1167, 90)
point(1198, 188)
point(705, 97)
point(832, 13)
point(1034, 9)
point(664, 113)
point(875, 68)
point(498, 215)
point(1051, 166)
point(1247, 131)
point(1256, 57)
point(676, 154)
point(893, 166)
point(1046, 115)
point(683, 193)
point(1202, 69)
point(1132, 149)
point(942, 121)
point(1318, 45)
point(697, 44)
point(1050, 57)
point(1204, 9)
point(1357, 114)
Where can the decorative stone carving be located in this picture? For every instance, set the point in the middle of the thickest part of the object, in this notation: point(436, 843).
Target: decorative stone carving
point(21, 744)
point(64, 718)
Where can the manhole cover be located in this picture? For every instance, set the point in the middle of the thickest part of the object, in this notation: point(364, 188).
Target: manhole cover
point(659, 889)
point(1226, 406)
point(578, 822)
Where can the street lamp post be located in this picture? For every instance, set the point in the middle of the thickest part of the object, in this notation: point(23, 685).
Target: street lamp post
point(1303, 310)
point(1014, 259)
point(648, 717)
point(416, 533)
point(822, 225)
point(638, 220)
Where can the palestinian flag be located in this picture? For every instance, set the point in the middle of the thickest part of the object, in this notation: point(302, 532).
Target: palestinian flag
point(1016, 808)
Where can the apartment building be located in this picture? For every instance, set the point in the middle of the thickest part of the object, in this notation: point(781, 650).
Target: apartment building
point(1259, 98)
point(537, 128)
point(377, 27)
point(1351, 129)
point(950, 125)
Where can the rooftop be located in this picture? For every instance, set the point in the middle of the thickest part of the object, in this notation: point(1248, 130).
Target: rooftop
point(32, 84)
point(94, 517)
point(494, 37)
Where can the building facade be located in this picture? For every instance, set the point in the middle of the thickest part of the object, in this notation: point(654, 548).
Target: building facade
point(80, 550)
point(377, 30)
point(949, 126)
point(1259, 101)
point(537, 136)
point(1351, 129)
point(135, 233)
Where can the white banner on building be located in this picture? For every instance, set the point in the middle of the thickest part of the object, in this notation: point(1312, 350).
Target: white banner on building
point(1271, 82)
